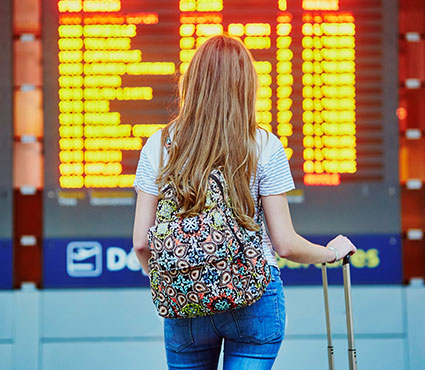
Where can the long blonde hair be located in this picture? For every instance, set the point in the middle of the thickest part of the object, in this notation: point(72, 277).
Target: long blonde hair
point(215, 128)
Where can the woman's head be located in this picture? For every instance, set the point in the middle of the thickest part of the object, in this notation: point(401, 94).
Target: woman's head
point(215, 127)
point(220, 82)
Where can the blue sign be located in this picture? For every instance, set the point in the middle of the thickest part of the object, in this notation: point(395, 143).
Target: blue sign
point(6, 263)
point(91, 263)
point(112, 263)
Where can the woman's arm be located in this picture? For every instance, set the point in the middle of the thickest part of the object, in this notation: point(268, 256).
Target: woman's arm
point(143, 220)
point(288, 244)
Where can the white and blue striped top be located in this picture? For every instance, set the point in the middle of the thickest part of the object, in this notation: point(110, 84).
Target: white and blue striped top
point(273, 174)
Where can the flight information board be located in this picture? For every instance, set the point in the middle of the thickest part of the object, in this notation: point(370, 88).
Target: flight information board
point(328, 90)
point(6, 252)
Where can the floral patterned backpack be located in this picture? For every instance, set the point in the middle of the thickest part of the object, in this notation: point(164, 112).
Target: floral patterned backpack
point(204, 264)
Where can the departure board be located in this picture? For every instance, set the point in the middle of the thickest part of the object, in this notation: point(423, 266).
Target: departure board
point(328, 89)
point(6, 252)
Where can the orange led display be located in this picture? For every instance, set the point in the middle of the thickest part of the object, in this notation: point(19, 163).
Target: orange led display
point(200, 19)
point(193, 18)
point(103, 156)
point(96, 59)
point(282, 5)
point(101, 5)
point(322, 179)
point(140, 18)
point(69, 20)
point(320, 4)
point(284, 78)
point(100, 43)
point(257, 42)
point(70, 5)
point(109, 30)
point(146, 130)
point(201, 5)
point(328, 95)
point(257, 29)
point(94, 53)
point(236, 29)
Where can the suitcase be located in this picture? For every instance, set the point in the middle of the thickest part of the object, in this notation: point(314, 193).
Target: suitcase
point(352, 355)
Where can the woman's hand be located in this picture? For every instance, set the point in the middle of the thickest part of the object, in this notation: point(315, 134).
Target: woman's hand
point(342, 245)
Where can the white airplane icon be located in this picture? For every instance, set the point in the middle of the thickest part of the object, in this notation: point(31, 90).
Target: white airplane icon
point(82, 253)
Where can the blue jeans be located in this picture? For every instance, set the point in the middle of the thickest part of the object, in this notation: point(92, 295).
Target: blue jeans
point(252, 335)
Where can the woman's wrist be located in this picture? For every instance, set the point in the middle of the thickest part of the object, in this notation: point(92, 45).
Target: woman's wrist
point(335, 254)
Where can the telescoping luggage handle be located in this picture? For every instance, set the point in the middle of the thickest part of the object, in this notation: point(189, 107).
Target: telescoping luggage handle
point(352, 356)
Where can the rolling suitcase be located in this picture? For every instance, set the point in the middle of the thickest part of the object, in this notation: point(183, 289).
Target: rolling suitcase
point(352, 356)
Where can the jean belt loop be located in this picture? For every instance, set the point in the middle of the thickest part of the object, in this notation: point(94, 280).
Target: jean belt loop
point(274, 272)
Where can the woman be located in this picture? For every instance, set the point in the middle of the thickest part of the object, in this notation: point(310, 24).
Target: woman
point(216, 127)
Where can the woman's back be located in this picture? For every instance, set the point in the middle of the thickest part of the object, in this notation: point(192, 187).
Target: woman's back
point(272, 174)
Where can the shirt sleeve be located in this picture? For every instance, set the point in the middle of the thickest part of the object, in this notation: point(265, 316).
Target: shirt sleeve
point(276, 177)
point(145, 175)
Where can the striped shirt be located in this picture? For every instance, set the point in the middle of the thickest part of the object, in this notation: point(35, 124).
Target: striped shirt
point(273, 175)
